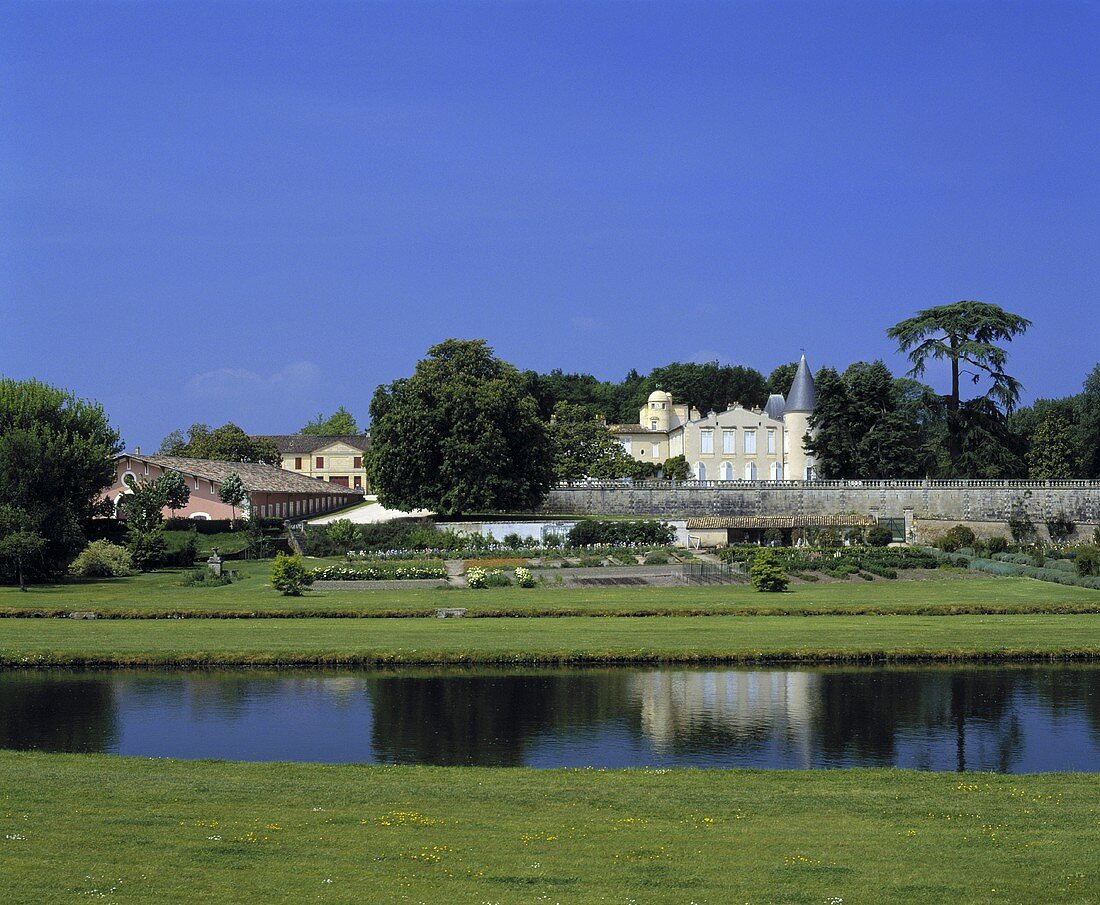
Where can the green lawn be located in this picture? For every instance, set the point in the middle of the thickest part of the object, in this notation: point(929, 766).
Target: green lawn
point(160, 594)
point(37, 642)
point(126, 830)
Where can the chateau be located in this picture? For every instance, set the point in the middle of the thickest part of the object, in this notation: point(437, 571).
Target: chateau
point(738, 444)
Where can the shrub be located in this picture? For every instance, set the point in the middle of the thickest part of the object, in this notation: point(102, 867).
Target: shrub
point(1087, 561)
point(524, 578)
point(955, 539)
point(475, 578)
point(102, 559)
point(656, 558)
point(766, 573)
point(827, 537)
point(204, 578)
point(148, 549)
point(1022, 528)
point(1061, 528)
point(773, 537)
point(289, 575)
point(997, 544)
point(594, 532)
point(491, 578)
point(879, 536)
point(591, 562)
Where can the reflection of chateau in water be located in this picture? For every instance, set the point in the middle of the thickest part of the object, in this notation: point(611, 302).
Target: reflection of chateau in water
point(735, 707)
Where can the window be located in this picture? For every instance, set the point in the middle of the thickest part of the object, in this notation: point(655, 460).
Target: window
point(641, 450)
point(777, 471)
point(358, 481)
point(771, 441)
point(727, 471)
point(627, 445)
point(786, 442)
point(298, 462)
point(750, 471)
point(729, 441)
point(357, 462)
point(656, 450)
point(147, 468)
point(701, 471)
point(320, 461)
point(750, 442)
point(653, 424)
point(706, 442)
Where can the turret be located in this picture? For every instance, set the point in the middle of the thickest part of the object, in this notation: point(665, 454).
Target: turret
point(796, 424)
point(658, 410)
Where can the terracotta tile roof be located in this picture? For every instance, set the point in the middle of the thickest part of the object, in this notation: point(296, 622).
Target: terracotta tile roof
point(255, 477)
point(307, 443)
point(780, 521)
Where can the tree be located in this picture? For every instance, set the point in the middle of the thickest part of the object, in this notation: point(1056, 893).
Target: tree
point(461, 434)
point(232, 492)
point(584, 447)
point(1087, 433)
point(864, 426)
point(766, 573)
point(676, 469)
point(20, 545)
point(143, 509)
point(1051, 454)
point(339, 423)
point(175, 489)
point(227, 443)
point(963, 333)
point(780, 380)
point(345, 534)
point(56, 456)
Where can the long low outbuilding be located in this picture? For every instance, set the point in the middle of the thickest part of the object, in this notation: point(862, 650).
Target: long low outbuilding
point(272, 492)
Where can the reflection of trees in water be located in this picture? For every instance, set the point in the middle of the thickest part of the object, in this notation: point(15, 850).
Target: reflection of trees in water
point(486, 719)
point(1069, 690)
point(51, 713)
point(860, 713)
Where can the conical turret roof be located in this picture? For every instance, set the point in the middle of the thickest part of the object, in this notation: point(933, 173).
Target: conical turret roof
point(802, 396)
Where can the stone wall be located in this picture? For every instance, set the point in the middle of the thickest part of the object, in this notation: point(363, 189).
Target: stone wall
point(962, 501)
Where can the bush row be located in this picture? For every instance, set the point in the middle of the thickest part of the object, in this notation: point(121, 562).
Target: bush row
point(1042, 573)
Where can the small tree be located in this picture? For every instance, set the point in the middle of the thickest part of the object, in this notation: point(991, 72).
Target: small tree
point(233, 494)
point(143, 509)
point(345, 534)
point(175, 490)
point(289, 575)
point(766, 573)
point(20, 544)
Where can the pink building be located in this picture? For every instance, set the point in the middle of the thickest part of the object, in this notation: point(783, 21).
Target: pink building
point(272, 492)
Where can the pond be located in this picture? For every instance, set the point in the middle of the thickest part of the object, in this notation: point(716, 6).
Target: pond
point(1017, 719)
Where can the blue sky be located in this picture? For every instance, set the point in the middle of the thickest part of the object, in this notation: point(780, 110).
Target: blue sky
point(255, 211)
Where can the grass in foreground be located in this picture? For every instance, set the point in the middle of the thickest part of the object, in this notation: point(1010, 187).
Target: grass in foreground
point(160, 594)
point(41, 642)
point(76, 827)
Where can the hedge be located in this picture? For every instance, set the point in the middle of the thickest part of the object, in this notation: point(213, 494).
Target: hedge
point(1057, 576)
point(383, 571)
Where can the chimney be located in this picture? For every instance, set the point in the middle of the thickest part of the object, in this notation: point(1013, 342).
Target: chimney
point(137, 450)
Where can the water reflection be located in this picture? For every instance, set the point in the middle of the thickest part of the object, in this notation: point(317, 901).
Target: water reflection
point(1018, 719)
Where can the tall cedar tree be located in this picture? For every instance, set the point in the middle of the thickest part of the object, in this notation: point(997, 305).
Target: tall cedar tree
point(965, 334)
point(462, 434)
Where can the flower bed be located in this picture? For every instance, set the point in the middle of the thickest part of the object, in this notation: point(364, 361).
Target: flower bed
point(382, 571)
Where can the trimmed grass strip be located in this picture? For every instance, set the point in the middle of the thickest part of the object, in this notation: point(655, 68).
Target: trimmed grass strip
point(128, 830)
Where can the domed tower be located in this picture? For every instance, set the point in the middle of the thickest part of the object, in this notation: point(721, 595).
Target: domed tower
point(658, 411)
point(796, 422)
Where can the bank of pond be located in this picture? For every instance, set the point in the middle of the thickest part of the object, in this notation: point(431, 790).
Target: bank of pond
point(1010, 719)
